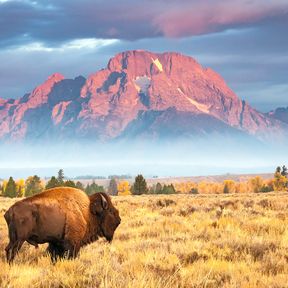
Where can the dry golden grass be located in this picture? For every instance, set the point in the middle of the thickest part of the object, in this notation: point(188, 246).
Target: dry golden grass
point(171, 241)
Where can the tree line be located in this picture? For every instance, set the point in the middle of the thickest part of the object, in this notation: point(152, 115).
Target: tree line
point(117, 186)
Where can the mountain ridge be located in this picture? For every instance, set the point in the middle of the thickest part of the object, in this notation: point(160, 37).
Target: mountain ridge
point(171, 87)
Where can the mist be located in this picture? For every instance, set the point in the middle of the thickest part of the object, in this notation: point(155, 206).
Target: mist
point(194, 157)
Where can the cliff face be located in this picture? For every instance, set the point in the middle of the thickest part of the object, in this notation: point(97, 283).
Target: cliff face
point(138, 93)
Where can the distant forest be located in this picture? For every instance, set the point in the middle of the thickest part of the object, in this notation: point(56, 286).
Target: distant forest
point(119, 185)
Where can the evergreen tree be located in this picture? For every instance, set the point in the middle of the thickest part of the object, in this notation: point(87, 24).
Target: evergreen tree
point(60, 177)
point(140, 186)
point(70, 183)
point(33, 185)
point(93, 188)
point(266, 188)
point(284, 171)
point(158, 188)
point(52, 183)
point(10, 189)
point(172, 189)
point(88, 190)
point(112, 189)
point(168, 189)
point(80, 186)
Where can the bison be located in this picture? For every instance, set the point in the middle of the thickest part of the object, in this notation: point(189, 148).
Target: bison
point(64, 217)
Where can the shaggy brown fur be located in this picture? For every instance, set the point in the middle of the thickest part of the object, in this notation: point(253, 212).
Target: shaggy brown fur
point(64, 217)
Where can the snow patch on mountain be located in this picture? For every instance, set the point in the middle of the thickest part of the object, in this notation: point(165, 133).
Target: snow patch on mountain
point(201, 107)
point(142, 84)
point(58, 111)
point(158, 64)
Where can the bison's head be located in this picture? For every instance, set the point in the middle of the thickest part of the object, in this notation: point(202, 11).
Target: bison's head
point(108, 215)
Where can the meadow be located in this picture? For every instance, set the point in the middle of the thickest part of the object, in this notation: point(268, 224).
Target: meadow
point(213, 240)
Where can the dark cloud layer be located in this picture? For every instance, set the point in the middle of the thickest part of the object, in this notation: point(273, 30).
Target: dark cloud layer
point(57, 21)
point(244, 40)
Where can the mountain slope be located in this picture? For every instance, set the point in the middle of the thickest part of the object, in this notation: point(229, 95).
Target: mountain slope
point(163, 94)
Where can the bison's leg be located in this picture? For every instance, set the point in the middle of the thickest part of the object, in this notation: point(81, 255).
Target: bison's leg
point(8, 250)
point(71, 250)
point(12, 249)
point(56, 251)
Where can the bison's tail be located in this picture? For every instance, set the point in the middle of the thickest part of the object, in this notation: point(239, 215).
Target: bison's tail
point(11, 225)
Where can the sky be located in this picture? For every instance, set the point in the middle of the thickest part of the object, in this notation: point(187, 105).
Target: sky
point(244, 40)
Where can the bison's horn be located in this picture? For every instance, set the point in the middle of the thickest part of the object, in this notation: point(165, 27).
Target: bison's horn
point(104, 202)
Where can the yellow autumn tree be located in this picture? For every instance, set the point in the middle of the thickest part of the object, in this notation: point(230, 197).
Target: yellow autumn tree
point(4, 184)
point(203, 187)
point(241, 187)
point(123, 188)
point(20, 186)
point(255, 184)
point(185, 187)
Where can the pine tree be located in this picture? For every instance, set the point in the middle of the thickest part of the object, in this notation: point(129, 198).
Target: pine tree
point(284, 171)
point(60, 177)
point(168, 189)
point(93, 188)
point(11, 188)
point(140, 186)
point(80, 186)
point(88, 190)
point(171, 189)
point(52, 183)
point(113, 189)
point(70, 183)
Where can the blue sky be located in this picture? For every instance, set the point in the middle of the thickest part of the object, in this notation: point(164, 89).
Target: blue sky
point(244, 40)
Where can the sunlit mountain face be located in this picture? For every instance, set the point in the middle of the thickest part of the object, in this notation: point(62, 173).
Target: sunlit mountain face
point(140, 95)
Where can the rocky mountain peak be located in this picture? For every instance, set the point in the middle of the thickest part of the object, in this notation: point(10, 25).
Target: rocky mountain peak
point(138, 91)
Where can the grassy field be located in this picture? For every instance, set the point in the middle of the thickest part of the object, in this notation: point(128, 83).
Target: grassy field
point(171, 241)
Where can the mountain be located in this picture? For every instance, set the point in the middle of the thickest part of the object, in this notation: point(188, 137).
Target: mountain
point(139, 94)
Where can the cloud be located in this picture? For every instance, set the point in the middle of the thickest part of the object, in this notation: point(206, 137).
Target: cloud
point(199, 17)
point(76, 44)
point(56, 22)
point(243, 40)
